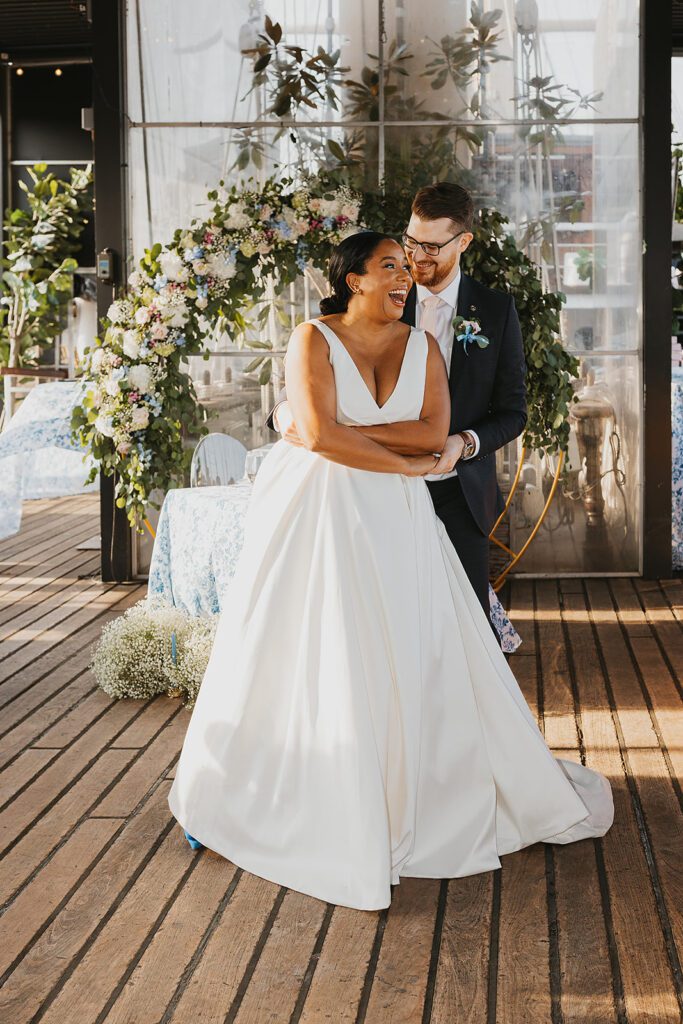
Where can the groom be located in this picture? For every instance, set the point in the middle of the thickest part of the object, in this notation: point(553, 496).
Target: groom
point(488, 394)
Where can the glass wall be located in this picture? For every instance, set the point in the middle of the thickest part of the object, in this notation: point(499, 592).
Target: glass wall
point(532, 105)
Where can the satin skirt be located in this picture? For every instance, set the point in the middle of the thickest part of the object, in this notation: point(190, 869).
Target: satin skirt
point(358, 723)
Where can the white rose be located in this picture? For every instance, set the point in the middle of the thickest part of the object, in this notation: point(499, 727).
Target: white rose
point(140, 377)
point(131, 345)
point(236, 219)
point(135, 279)
point(96, 360)
point(139, 418)
point(104, 425)
point(202, 303)
point(142, 315)
point(199, 266)
point(116, 312)
point(171, 266)
point(220, 268)
point(179, 317)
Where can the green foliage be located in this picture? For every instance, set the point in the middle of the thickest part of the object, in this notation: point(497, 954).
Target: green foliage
point(39, 244)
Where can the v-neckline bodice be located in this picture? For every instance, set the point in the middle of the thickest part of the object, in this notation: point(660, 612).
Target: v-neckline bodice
point(360, 375)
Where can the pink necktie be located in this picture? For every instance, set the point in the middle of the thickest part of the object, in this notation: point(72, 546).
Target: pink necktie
point(430, 320)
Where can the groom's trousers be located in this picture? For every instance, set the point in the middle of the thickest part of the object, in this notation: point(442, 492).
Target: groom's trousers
point(470, 543)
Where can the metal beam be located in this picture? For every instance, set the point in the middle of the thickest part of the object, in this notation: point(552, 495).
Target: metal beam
point(108, 43)
point(655, 96)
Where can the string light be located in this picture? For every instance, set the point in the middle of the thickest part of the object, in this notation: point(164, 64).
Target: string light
point(20, 71)
point(58, 72)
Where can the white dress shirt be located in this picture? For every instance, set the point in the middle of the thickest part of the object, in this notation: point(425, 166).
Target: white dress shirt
point(437, 318)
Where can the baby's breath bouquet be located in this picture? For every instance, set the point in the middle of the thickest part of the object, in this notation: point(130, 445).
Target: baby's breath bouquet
point(153, 649)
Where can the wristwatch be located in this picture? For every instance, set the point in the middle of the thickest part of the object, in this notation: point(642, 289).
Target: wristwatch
point(470, 447)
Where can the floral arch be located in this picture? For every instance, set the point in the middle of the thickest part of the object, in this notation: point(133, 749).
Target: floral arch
point(141, 401)
point(254, 244)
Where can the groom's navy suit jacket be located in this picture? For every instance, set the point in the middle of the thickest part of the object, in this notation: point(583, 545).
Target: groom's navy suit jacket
point(488, 392)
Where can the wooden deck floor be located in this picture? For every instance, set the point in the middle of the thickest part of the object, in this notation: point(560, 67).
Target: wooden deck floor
point(109, 917)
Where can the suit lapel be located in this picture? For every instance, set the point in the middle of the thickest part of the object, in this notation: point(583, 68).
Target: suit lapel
point(410, 308)
point(467, 310)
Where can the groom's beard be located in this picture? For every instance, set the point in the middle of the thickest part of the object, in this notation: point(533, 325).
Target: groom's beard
point(430, 273)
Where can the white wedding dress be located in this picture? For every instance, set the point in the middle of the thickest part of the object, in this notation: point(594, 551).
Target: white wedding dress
point(358, 722)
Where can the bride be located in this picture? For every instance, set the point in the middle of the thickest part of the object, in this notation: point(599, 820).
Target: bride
point(357, 722)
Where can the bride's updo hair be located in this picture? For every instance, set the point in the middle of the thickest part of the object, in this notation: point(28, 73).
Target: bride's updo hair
point(349, 257)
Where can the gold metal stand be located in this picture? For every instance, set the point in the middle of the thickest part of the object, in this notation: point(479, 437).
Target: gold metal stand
point(516, 555)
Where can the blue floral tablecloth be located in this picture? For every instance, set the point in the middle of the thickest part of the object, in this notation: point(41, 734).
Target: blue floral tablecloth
point(198, 542)
point(677, 468)
point(38, 458)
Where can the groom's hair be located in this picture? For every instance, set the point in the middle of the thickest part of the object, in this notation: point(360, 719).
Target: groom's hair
point(444, 199)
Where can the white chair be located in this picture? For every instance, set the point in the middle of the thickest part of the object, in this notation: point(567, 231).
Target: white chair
point(217, 460)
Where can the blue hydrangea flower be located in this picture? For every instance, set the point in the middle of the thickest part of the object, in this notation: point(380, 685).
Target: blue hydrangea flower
point(160, 281)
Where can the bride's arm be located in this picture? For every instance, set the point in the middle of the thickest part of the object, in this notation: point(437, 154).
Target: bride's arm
point(312, 395)
point(429, 433)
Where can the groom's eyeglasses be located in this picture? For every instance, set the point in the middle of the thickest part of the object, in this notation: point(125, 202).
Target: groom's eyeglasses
point(428, 248)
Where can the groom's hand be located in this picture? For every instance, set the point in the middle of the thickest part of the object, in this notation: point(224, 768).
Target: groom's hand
point(451, 453)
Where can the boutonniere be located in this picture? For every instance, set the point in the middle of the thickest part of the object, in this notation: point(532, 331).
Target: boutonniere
point(468, 331)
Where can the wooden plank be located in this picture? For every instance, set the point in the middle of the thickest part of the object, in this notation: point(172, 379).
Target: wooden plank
point(26, 767)
point(523, 661)
point(40, 588)
point(31, 728)
point(52, 669)
point(215, 981)
point(275, 984)
point(58, 950)
point(661, 689)
point(158, 971)
point(586, 977)
point(523, 973)
point(45, 535)
point(664, 698)
point(400, 981)
point(42, 641)
point(645, 971)
point(143, 729)
point(39, 900)
point(558, 715)
point(75, 722)
point(337, 982)
point(25, 856)
point(665, 826)
point(107, 959)
point(152, 765)
point(43, 570)
point(54, 781)
point(34, 621)
point(461, 990)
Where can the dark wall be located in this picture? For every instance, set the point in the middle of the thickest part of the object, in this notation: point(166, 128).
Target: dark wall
point(45, 125)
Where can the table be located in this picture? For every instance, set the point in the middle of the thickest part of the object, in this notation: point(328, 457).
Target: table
point(198, 543)
point(38, 458)
point(677, 467)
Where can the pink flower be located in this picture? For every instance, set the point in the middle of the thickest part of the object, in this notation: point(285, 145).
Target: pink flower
point(159, 331)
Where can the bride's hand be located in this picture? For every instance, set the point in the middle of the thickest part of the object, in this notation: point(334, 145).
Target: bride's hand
point(420, 465)
point(287, 426)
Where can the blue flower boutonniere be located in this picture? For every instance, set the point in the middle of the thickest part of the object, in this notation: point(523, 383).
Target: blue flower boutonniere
point(468, 331)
